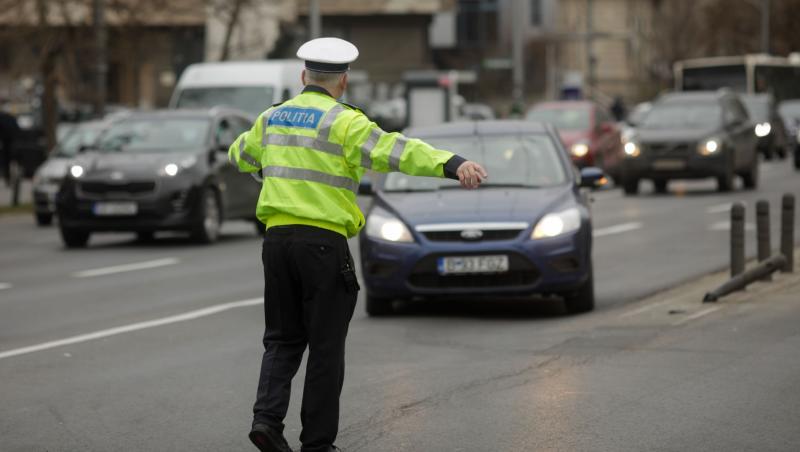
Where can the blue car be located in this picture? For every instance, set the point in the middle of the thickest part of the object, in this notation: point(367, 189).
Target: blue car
point(527, 230)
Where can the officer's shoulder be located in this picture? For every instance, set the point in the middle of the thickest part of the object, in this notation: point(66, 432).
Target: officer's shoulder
point(351, 107)
point(278, 104)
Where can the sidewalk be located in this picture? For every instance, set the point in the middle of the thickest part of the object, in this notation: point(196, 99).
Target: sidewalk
point(25, 195)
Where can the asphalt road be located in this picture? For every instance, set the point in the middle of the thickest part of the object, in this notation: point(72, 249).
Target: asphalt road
point(156, 346)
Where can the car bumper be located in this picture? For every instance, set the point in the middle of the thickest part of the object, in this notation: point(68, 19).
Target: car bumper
point(695, 166)
point(177, 209)
point(555, 265)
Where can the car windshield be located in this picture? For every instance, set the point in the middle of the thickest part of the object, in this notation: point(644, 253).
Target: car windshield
point(576, 118)
point(79, 136)
point(510, 160)
point(683, 115)
point(252, 99)
point(758, 109)
point(156, 134)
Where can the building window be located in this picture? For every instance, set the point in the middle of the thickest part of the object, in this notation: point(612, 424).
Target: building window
point(536, 12)
point(477, 23)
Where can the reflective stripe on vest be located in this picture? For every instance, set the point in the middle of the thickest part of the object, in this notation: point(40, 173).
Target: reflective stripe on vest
point(327, 122)
point(285, 172)
point(368, 146)
point(305, 142)
point(247, 157)
point(397, 151)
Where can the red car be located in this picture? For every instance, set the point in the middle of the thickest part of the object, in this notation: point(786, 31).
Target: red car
point(588, 131)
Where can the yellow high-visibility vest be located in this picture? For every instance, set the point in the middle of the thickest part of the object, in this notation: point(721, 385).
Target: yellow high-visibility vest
point(313, 151)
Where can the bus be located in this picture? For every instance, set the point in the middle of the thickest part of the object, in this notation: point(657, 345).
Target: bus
point(745, 74)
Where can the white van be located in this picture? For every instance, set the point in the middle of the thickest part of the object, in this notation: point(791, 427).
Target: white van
point(251, 86)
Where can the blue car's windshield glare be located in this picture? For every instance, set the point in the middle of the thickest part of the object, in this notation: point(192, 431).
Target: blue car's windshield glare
point(510, 160)
point(683, 115)
point(155, 135)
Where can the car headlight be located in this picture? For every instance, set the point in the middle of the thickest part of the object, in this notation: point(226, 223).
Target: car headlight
point(558, 223)
point(710, 146)
point(385, 226)
point(579, 149)
point(172, 169)
point(763, 129)
point(631, 149)
point(76, 171)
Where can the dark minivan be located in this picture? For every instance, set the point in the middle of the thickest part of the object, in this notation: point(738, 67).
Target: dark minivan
point(690, 135)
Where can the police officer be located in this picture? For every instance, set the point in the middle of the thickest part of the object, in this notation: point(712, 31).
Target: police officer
point(312, 151)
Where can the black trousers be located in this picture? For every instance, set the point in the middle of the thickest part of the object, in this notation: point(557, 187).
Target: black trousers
point(309, 297)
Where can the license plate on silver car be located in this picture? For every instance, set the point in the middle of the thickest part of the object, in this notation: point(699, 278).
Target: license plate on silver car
point(464, 265)
point(110, 209)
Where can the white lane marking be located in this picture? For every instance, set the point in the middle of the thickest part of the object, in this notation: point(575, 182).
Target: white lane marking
point(725, 225)
point(719, 208)
point(191, 315)
point(697, 315)
point(126, 268)
point(643, 309)
point(5, 285)
point(617, 229)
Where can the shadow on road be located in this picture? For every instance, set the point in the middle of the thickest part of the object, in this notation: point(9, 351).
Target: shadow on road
point(509, 309)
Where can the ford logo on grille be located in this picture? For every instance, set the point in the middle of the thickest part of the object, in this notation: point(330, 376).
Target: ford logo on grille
point(471, 234)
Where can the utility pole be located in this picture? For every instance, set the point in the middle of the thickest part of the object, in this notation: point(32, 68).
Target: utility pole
point(101, 63)
point(590, 60)
point(314, 20)
point(765, 11)
point(517, 56)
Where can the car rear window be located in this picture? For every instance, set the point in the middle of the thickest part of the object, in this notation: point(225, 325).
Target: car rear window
point(510, 160)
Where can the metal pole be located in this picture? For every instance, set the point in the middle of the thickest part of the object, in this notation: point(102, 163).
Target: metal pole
point(759, 272)
point(762, 232)
point(517, 55)
point(590, 63)
point(765, 25)
point(787, 231)
point(314, 20)
point(101, 63)
point(737, 239)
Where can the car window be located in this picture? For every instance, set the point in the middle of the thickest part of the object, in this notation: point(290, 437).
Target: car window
point(790, 109)
point(252, 99)
point(517, 160)
point(683, 115)
point(155, 134)
point(739, 111)
point(226, 132)
point(79, 136)
point(758, 108)
point(576, 118)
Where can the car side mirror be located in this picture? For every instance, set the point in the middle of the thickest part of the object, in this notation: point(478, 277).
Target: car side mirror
point(365, 186)
point(591, 177)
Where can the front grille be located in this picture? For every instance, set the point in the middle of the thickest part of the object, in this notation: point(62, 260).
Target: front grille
point(667, 149)
point(426, 275)
point(455, 236)
point(130, 188)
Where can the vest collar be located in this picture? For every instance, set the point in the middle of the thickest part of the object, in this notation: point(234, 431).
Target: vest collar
point(316, 89)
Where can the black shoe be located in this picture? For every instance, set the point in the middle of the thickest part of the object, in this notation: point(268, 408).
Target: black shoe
point(267, 439)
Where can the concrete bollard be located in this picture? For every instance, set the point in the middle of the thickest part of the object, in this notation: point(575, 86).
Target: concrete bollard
point(787, 231)
point(762, 233)
point(741, 281)
point(737, 239)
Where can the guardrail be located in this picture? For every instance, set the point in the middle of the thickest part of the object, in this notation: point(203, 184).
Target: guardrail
point(767, 263)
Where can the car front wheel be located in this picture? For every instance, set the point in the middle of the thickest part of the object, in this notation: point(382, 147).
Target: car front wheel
point(581, 300)
point(630, 186)
point(750, 178)
point(74, 238)
point(44, 219)
point(206, 230)
point(377, 306)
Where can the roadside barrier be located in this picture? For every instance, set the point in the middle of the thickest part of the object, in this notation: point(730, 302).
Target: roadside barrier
point(767, 264)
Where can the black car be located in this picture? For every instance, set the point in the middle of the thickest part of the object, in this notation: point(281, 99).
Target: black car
point(160, 170)
point(692, 135)
point(769, 127)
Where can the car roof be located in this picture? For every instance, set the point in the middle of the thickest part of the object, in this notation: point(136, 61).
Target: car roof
point(684, 96)
point(487, 127)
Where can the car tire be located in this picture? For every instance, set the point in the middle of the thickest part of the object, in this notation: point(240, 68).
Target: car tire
point(581, 300)
point(660, 185)
point(725, 181)
point(145, 236)
point(206, 230)
point(44, 219)
point(797, 158)
point(630, 186)
point(74, 238)
point(750, 178)
point(377, 306)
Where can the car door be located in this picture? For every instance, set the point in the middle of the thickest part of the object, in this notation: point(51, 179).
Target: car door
point(740, 128)
point(245, 189)
point(226, 173)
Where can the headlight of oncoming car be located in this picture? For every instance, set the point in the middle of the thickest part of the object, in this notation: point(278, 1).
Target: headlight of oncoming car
point(711, 146)
point(385, 226)
point(631, 148)
point(172, 169)
point(76, 171)
point(579, 149)
point(558, 223)
point(763, 129)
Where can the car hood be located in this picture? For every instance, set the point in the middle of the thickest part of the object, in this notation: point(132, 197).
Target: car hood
point(146, 165)
point(482, 205)
point(54, 167)
point(683, 135)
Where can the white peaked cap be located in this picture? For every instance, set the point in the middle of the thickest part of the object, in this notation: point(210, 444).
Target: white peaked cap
point(328, 54)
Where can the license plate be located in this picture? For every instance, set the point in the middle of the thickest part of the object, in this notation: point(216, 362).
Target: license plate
point(669, 165)
point(461, 265)
point(106, 209)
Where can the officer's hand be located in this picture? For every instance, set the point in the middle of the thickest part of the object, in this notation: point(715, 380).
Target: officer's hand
point(470, 174)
